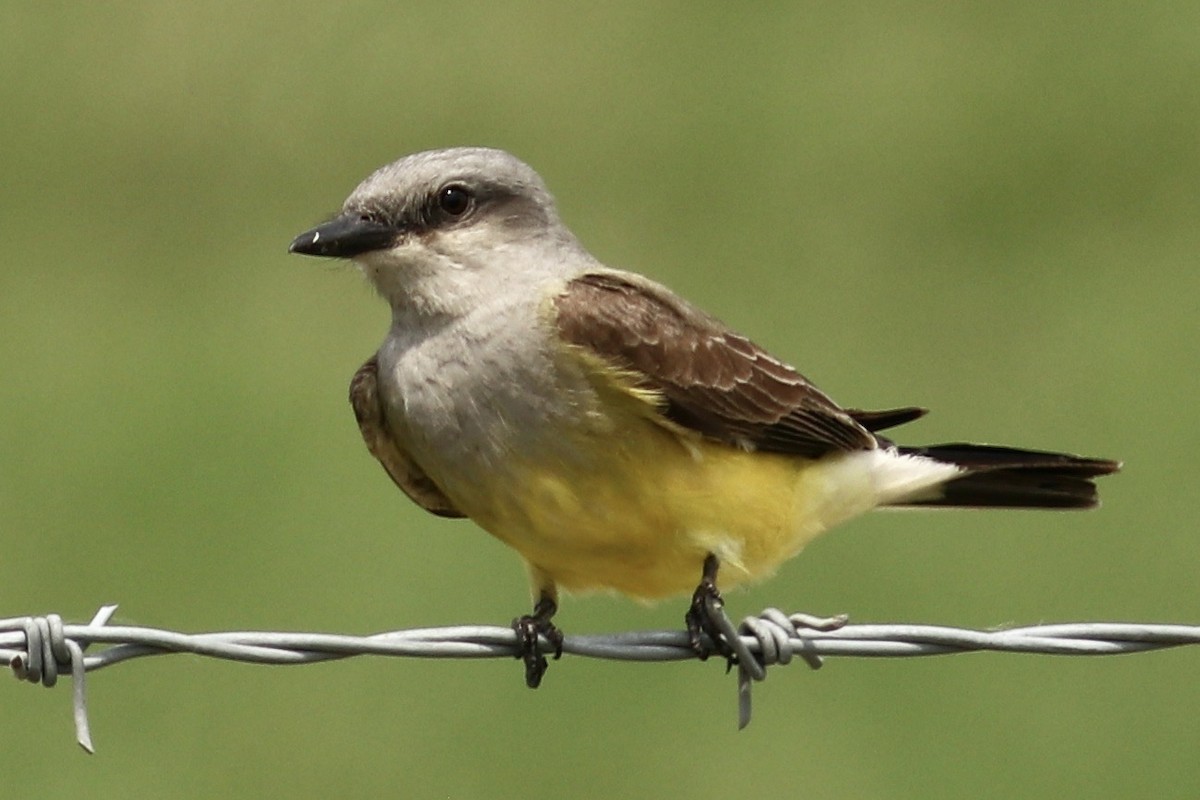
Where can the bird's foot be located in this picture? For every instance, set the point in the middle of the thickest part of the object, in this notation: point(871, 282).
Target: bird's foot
point(705, 635)
point(531, 626)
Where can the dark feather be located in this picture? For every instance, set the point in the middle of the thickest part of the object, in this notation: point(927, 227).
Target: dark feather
point(364, 398)
point(1014, 478)
point(714, 380)
point(987, 457)
point(881, 420)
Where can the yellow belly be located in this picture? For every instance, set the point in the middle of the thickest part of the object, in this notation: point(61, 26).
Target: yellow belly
point(638, 513)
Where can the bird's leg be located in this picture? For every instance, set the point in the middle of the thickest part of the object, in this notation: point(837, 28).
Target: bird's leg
point(706, 601)
point(528, 628)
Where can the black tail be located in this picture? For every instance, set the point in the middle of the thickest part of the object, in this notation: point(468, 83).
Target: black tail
point(1005, 477)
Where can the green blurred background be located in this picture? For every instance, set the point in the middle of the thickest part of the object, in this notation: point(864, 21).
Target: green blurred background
point(988, 210)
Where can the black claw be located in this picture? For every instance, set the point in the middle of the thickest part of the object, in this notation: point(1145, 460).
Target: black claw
point(697, 618)
point(529, 628)
point(699, 621)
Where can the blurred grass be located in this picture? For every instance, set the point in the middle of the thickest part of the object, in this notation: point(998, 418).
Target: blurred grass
point(990, 211)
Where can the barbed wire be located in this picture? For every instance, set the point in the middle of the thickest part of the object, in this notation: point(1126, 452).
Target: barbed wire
point(39, 649)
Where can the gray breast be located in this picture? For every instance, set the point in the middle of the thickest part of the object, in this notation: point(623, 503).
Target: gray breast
point(466, 396)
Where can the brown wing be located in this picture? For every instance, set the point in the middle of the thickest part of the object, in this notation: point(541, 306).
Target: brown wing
point(364, 397)
point(881, 420)
point(714, 381)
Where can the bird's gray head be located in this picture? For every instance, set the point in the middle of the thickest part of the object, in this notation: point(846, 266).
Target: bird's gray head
point(440, 223)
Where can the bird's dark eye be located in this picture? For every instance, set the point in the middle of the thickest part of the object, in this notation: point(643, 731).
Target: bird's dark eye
point(454, 199)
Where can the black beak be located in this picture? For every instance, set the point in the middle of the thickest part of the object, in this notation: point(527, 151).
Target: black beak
point(344, 237)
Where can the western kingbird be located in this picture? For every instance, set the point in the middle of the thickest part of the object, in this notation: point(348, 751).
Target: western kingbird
point(614, 435)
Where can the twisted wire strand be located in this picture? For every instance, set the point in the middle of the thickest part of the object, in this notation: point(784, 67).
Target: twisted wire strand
point(40, 648)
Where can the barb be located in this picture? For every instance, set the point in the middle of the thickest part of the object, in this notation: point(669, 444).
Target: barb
point(38, 649)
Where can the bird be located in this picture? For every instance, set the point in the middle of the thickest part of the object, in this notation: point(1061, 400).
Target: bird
point(616, 436)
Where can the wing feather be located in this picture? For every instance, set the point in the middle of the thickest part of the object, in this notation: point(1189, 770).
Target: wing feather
point(364, 397)
point(715, 381)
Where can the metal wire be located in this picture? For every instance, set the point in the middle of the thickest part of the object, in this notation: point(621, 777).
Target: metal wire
point(38, 649)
